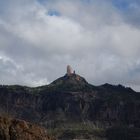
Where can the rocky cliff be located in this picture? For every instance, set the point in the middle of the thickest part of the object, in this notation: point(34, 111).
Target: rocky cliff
point(72, 100)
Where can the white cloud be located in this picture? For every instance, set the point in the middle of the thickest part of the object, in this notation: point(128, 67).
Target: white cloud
point(94, 38)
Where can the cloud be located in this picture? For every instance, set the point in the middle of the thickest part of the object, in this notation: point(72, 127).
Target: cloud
point(39, 38)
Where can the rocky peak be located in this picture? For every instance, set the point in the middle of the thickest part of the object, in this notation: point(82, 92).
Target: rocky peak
point(70, 82)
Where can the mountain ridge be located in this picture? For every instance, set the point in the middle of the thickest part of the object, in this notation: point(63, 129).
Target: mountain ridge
point(69, 80)
point(69, 100)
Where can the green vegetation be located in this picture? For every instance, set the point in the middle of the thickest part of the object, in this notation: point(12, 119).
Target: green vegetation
point(77, 130)
point(85, 131)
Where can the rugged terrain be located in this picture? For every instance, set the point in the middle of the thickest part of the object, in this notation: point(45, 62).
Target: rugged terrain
point(14, 129)
point(70, 107)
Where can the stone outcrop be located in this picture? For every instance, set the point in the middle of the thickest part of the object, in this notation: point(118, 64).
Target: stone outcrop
point(14, 129)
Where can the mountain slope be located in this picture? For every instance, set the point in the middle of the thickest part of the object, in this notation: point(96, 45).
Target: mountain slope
point(71, 82)
point(71, 102)
point(71, 98)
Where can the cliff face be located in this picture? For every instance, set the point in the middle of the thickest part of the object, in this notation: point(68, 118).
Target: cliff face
point(13, 129)
point(70, 100)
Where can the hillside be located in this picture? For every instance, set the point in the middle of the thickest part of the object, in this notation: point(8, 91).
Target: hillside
point(72, 106)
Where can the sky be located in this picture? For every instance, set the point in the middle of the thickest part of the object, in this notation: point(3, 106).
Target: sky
point(100, 39)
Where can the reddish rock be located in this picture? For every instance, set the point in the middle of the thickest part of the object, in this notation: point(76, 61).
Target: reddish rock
point(14, 129)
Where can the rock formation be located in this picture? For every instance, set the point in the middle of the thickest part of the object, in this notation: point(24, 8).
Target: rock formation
point(69, 70)
point(14, 129)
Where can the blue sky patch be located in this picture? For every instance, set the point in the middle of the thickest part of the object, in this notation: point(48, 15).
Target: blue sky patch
point(53, 13)
point(121, 4)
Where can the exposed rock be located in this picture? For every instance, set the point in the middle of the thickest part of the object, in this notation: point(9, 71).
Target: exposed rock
point(13, 129)
point(72, 82)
